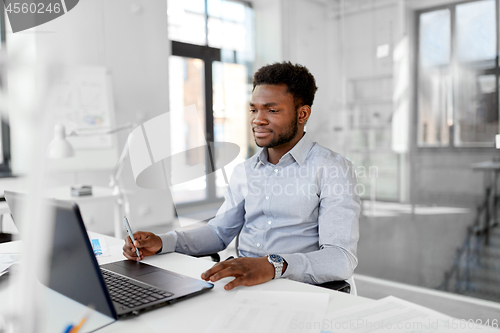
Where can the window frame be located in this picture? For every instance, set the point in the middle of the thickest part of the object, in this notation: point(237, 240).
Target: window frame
point(209, 55)
point(452, 147)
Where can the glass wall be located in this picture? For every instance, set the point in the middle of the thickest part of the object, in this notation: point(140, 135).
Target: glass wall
point(458, 75)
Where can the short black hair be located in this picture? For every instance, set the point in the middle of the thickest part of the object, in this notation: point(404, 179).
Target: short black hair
point(299, 81)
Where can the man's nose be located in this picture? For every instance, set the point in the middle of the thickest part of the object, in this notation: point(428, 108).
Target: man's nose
point(259, 119)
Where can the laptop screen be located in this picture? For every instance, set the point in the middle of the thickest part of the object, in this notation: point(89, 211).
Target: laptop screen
point(74, 271)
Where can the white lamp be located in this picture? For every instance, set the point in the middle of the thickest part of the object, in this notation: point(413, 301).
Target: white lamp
point(59, 147)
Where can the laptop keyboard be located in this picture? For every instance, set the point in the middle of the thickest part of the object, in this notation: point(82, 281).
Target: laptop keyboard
point(129, 294)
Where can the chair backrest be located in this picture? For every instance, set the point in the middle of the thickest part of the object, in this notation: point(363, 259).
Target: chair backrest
point(354, 291)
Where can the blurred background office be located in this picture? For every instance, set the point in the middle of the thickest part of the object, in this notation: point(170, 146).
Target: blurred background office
point(408, 91)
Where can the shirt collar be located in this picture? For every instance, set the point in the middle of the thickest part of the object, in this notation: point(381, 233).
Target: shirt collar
point(262, 158)
point(299, 152)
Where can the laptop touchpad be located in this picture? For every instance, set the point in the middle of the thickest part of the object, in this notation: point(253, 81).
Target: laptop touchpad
point(158, 278)
point(145, 273)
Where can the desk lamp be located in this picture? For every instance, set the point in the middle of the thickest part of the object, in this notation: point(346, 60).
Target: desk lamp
point(59, 147)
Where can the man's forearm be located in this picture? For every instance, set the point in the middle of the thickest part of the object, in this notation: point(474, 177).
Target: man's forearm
point(199, 241)
point(329, 264)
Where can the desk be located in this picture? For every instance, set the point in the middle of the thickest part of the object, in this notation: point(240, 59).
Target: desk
point(99, 194)
point(195, 314)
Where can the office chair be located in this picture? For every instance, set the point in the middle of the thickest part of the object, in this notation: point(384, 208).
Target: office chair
point(215, 256)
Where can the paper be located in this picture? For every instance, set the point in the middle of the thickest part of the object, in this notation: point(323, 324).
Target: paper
point(6, 261)
point(271, 311)
point(82, 98)
point(392, 314)
point(100, 248)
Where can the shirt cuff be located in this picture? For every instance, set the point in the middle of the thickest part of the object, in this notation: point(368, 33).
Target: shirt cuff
point(169, 241)
point(293, 265)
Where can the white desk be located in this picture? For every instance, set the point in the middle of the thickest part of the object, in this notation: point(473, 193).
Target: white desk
point(99, 194)
point(196, 313)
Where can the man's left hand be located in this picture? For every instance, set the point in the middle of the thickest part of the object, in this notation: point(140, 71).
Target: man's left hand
point(247, 272)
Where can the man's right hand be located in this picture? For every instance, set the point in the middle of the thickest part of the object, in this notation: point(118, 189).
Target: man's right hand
point(147, 243)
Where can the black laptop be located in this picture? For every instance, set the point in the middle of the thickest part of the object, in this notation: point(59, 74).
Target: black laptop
point(118, 289)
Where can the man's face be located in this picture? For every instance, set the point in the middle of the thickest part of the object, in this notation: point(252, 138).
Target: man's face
point(273, 116)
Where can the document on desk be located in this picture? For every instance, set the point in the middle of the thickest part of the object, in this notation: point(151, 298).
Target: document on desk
point(6, 261)
point(392, 314)
point(272, 311)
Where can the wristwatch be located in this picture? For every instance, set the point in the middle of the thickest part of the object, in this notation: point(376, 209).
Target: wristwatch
point(277, 261)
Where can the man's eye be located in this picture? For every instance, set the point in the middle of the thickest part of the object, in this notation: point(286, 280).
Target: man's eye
point(273, 111)
point(252, 110)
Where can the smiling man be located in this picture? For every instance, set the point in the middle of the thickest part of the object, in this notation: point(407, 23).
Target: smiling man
point(293, 204)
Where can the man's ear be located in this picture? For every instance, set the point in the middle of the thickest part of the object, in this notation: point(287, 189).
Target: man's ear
point(304, 113)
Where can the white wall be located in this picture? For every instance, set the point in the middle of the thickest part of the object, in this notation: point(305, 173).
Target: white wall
point(305, 37)
point(296, 31)
point(268, 32)
point(129, 37)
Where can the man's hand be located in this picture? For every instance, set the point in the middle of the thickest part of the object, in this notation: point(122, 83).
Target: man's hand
point(247, 272)
point(147, 243)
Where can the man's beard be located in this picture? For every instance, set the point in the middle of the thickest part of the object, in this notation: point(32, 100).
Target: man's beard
point(284, 137)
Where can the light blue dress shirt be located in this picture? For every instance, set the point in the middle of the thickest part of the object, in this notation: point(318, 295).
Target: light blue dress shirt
point(305, 208)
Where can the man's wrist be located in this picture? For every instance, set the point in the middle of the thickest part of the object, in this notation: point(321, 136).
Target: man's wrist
point(278, 263)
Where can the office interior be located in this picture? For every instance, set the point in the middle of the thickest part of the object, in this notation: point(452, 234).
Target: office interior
point(408, 91)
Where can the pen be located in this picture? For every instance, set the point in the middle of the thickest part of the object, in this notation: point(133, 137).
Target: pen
point(76, 328)
point(129, 230)
point(86, 315)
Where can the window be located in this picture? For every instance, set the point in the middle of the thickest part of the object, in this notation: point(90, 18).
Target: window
point(458, 73)
point(211, 67)
point(4, 122)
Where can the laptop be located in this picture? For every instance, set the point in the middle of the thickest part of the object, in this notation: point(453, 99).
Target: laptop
point(119, 289)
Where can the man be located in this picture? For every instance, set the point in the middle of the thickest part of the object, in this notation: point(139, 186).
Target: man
point(293, 204)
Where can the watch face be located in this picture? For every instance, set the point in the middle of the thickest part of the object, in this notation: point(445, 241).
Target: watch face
point(276, 258)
